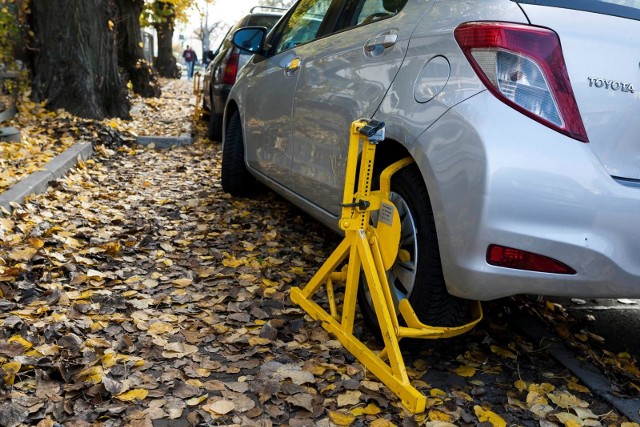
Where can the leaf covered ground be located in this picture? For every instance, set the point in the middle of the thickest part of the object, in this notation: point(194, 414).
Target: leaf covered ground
point(136, 292)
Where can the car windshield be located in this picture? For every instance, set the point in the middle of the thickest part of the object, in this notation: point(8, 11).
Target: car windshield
point(622, 8)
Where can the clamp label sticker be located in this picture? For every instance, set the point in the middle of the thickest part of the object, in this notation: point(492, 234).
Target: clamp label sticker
point(386, 213)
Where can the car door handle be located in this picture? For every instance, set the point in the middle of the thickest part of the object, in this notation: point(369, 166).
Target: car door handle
point(384, 41)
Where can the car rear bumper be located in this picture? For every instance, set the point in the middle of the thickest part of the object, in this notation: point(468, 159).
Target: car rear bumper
point(512, 182)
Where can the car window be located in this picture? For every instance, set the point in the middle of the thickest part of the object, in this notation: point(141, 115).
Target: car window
point(303, 24)
point(375, 10)
point(267, 21)
point(622, 8)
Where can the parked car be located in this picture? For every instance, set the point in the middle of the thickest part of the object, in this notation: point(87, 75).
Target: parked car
point(220, 74)
point(520, 116)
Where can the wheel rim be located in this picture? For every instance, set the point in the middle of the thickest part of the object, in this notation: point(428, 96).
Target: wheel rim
point(402, 275)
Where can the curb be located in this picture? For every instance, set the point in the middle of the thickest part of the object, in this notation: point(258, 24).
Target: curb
point(585, 371)
point(38, 182)
point(165, 142)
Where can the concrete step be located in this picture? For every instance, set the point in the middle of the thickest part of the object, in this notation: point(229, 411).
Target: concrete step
point(10, 134)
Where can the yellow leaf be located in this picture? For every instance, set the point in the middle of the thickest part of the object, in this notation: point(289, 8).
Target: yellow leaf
point(91, 376)
point(381, 422)
point(465, 371)
point(535, 398)
point(58, 317)
point(112, 248)
point(197, 400)
point(574, 386)
point(24, 254)
point(485, 415)
point(185, 281)
point(270, 283)
point(110, 24)
point(436, 415)
point(254, 341)
point(567, 400)
point(503, 352)
point(158, 328)
point(11, 369)
point(131, 395)
point(569, 420)
point(370, 409)
point(17, 338)
point(108, 360)
point(232, 262)
point(194, 382)
point(520, 385)
point(203, 373)
point(436, 392)
point(341, 418)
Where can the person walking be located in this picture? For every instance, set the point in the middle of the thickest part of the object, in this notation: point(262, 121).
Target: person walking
point(190, 58)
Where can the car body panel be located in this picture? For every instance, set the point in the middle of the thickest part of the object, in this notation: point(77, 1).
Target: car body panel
point(486, 189)
point(598, 79)
point(405, 121)
point(268, 132)
point(340, 82)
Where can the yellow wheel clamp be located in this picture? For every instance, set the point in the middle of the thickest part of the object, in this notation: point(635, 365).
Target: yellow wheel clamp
point(197, 91)
point(372, 250)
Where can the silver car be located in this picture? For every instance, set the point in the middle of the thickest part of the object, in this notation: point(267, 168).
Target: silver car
point(521, 116)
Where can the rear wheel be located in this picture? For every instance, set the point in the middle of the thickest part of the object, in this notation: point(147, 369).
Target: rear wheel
point(236, 179)
point(417, 272)
point(214, 127)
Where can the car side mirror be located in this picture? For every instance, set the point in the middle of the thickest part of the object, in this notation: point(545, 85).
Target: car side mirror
point(250, 39)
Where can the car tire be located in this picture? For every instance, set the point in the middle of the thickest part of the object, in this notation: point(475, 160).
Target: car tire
point(206, 114)
point(420, 278)
point(214, 127)
point(236, 179)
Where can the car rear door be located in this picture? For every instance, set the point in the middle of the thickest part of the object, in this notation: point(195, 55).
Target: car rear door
point(343, 77)
point(270, 91)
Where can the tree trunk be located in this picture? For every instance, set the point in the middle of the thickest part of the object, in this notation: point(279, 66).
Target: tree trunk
point(75, 64)
point(130, 54)
point(165, 62)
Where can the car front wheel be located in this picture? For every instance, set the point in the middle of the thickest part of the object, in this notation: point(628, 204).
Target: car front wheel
point(417, 271)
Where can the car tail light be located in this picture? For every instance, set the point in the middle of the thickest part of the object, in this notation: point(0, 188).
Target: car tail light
point(503, 256)
point(231, 69)
point(523, 66)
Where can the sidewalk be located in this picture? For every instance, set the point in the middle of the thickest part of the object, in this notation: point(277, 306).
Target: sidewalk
point(28, 167)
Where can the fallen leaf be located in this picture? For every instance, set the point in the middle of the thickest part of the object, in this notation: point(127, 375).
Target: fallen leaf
point(219, 407)
point(131, 395)
point(341, 418)
point(465, 371)
point(485, 415)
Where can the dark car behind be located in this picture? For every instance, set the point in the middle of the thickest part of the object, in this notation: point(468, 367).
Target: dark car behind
point(221, 72)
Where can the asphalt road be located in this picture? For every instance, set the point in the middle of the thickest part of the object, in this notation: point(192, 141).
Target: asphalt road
point(616, 320)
